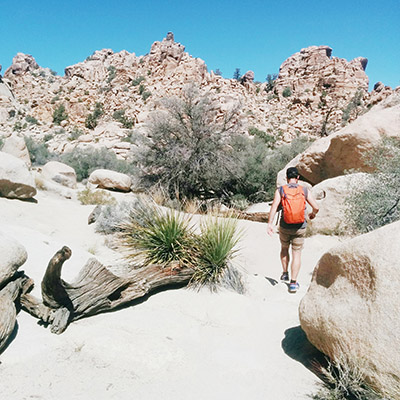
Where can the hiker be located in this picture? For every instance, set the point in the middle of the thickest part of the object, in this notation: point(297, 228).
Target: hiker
point(291, 199)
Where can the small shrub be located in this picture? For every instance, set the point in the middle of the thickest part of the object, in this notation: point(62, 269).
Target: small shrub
point(236, 74)
point(47, 137)
point(87, 196)
point(75, 133)
point(85, 161)
point(92, 119)
point(54, 99)
point(38, 151)
point(215, 250)
point(31, 120)
point(119, 115)
point(18, 126)
point(1, 143)
point(59, 114)
point(113, 216)
point(145, 95)
point(156, 237)
point(353, 106)
point(112, 73)
point(271, 80)
point(287, 92)
point(268, 139)
point(137, 81)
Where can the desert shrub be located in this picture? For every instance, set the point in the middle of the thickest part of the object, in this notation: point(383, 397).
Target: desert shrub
point(187, 152)
point(93, 118)
point(112, 73)
point(38, 151)
point(31, 120)
point(257, 165)
point(119, 115)
point(1, 143)
point(59, 114)
point(137, 81)
point(287, 92)
point(271, 80)
point(345, 380)
point(236, 74)
point(75, 133)
point(377, 203)
point(353, 108)
point(113, 216)
point(145, 95)
point(88, 196)
point(215, 250)
point(270, 140)
point(157, 237)
point(18, 126)
point(85, 161)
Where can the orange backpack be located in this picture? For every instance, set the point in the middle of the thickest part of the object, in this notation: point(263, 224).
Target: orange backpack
point(293, 203)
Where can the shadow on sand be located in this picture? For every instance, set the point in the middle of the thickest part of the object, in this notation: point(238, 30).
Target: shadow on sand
point(296, 345)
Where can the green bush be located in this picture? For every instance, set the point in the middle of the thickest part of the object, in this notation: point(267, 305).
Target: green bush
point(287, 92)
point(157, 237)
point(75, 133)
point(215, 250)
point(137, 81)
point(59, 114)
point(112, 73)
point(31, 120)
point(85, 161)
point(86, 197)
point(38, 151)
point(377, 202)
point(145, 95)
point(113, 216)
point(93, 118)
point(268, 139)
point(186, 152)
point(271, 80)
point(353, 108)
point(119, 115)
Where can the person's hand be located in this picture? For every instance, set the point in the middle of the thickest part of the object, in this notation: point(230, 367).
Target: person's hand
point(270, 229)
point(312, 215)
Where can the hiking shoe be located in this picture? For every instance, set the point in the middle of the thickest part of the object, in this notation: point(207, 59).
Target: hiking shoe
point(294, 287)
point(285, 277)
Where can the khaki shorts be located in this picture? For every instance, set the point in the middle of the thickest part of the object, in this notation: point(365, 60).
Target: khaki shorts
point(294, 237)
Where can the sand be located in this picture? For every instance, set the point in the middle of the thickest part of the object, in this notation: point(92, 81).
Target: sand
point(178, 344)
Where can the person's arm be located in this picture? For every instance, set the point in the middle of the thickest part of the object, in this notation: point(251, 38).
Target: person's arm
point(272, 212)
point(312, 202)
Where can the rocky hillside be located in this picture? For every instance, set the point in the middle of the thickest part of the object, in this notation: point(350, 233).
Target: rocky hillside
point(314, 94)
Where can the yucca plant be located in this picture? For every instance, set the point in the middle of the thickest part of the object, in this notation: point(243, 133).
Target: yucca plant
point(215, 249)
point(155, 236)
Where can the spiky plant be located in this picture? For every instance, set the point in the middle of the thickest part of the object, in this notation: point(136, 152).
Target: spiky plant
point(215, 250)
point(155, 236)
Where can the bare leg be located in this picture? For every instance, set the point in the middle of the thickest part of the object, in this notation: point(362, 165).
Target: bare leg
point(296, 264)
point(285, 258)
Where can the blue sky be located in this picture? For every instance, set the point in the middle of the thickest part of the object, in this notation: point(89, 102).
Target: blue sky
point(257, 35)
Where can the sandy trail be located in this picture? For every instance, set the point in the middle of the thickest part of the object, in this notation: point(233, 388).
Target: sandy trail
point(178, 344)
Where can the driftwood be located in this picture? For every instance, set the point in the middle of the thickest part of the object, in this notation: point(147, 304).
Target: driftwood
point(8, 312)
point(97, 289)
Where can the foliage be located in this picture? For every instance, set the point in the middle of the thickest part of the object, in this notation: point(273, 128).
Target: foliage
point(218, 72)
point(75, 133)
point(157, 237)
point(112, 73)
point(345, 380)
point(113, 216)
point(38, 151)
point(59, 114)
point(271, 78)
point(215, 250)
point(87, 196)
point(138, 80)
point(257, 165)
point(236, 74)
point(377, 203)
point(145, 95)
point(85, 161)
point(31, 120)
point(269, 139)
point(119, 115)
point(287, 92)
point(92, 119)
point(187, 151)
point(353, 106)
point(1, 143)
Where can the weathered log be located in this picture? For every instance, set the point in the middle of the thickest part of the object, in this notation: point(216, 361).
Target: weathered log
point(97, 289)
point(8, 312)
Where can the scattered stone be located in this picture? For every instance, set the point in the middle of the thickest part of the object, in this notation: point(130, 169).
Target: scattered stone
point(12, 256)
point(60, 173)
point(107, 179)
point(16, 146)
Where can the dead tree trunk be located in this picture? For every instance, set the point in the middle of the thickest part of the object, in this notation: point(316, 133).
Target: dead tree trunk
point(95, 290)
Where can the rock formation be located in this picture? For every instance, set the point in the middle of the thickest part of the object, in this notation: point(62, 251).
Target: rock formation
point(351, 308)
point(310, 96)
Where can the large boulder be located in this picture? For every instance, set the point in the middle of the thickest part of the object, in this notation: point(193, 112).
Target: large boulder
point(16, 146)
point(352, 307)
point(345, 150)
point(12, 256)
point(107, 179)
point(60, 173)
point(331, 197)
point(16, 181)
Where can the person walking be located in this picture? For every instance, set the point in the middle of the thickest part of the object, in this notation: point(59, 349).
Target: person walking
point(291, 199)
